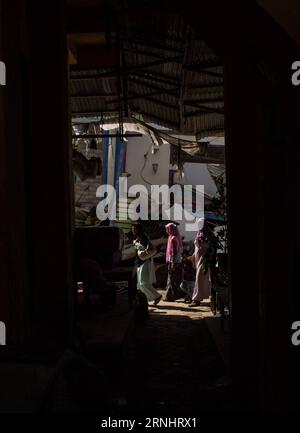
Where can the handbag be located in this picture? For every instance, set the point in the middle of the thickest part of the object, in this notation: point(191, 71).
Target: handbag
point(148, 252)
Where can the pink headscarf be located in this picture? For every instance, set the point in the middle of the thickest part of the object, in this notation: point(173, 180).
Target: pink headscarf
point(174, 238)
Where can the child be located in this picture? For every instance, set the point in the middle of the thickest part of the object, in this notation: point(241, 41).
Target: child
point(188, 276)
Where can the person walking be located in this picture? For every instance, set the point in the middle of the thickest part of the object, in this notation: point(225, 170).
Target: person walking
point(145, 266)
point(188, 276)
point(173, 259)
point(202, 289)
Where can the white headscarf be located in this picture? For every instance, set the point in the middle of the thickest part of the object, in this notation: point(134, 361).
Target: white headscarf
point(200, 223)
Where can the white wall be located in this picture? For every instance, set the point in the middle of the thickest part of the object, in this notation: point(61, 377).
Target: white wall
point(136, 149)
point(85, 191)
point(195, 174)
point(198, 174)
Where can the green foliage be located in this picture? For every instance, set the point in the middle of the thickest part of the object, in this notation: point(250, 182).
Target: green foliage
point(219, 207)
point(217, 240)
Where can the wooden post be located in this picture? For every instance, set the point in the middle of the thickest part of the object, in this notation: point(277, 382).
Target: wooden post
point(36, 292)
point(258, 123)
point(48, 178)
point(243, 222)
point(13, 282)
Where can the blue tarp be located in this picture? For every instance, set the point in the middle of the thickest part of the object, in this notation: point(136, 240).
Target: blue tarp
point(210, 216)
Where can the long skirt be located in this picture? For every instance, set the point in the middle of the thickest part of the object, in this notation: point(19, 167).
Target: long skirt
point(146, 279)
point(202, 289)
point(173, 284)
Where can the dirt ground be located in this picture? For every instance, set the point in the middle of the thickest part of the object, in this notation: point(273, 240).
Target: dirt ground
point(173, 364)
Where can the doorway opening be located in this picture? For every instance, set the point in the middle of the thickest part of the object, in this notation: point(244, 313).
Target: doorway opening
point(147, 101)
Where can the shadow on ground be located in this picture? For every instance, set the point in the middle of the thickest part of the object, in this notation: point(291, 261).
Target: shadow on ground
point(173, 367)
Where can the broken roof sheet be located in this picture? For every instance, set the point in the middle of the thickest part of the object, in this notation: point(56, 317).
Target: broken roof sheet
point(168, 76)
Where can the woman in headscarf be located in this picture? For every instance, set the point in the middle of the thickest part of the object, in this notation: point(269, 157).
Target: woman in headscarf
point(173, 259)
point(202, 287)
point(145, 268)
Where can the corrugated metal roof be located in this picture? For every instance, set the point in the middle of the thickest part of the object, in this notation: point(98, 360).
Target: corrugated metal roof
point(172, 79)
